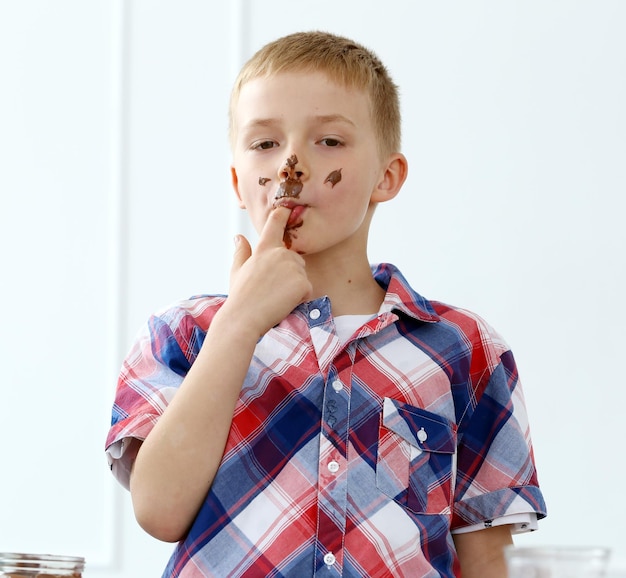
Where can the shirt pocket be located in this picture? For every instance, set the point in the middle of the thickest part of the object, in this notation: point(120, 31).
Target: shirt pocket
point(416, 458)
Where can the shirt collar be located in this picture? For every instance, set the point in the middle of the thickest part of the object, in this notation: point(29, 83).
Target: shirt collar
point(400, 296)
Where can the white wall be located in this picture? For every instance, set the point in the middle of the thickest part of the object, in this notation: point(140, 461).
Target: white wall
point(116, 201)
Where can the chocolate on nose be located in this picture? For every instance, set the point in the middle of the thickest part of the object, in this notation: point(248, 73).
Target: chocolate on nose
point(290, 184)
point(289, 166)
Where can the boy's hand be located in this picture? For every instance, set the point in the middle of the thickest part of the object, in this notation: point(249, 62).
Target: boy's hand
point(267, 283)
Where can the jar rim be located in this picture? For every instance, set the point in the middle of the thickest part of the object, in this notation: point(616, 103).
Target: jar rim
point(550, 550)
point(45, 561)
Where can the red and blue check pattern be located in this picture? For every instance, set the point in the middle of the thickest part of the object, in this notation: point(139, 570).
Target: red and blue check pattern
point(346, 460)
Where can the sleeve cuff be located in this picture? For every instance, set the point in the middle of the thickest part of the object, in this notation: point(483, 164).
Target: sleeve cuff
point(120, 457)
point(520, 523)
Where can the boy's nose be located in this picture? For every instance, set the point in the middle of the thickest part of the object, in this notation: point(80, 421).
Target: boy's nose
point(291, 169)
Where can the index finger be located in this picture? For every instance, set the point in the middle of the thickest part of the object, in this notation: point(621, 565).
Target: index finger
point(274, 228)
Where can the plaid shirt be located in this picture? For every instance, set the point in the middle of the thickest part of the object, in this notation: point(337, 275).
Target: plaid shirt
point(346, 460)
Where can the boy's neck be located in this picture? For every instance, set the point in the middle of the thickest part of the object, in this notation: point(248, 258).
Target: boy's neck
point(350, 286)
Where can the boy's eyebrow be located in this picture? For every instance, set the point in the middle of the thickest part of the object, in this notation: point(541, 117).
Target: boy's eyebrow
point(260, 122)
point(320, 118)
point(330, 118)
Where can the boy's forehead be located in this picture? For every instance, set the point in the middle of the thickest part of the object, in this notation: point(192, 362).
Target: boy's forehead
point(310, 88)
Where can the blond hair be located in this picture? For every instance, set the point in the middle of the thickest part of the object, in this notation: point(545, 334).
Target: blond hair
point(344, 62)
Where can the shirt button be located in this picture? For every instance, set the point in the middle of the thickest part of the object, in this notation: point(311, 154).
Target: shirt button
point(337, 385)
point(333, 467)
point(314, 313)
point(329, 559)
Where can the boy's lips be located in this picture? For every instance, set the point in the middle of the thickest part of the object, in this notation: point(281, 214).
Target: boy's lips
point(294, 218)
point(296, 211)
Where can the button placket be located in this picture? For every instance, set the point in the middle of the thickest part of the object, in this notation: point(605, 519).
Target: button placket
point(333, 476)
point(330, 413)
point(323, 339)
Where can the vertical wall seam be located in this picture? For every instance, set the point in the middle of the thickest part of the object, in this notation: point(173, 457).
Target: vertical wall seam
point(240, 30)
point(117, 234)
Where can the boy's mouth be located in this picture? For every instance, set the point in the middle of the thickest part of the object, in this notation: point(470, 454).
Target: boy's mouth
point(295, 217)
point(294, 221)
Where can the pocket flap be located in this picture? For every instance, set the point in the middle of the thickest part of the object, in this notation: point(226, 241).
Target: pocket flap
point(422, 429)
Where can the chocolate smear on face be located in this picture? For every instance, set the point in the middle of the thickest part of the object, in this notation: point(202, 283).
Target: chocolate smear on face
point(287, 238)
point(290, 234)
point(293, 223)
point(290, 185)
point(263, 180)
point(333, 178)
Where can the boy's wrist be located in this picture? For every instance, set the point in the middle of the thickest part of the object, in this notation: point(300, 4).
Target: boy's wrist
point(236, 325)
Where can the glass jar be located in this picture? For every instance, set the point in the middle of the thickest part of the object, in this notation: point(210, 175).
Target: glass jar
point(556, 561)
point(14, 565)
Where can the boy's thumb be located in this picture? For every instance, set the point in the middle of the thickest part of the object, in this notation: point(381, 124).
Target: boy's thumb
point(243, 251)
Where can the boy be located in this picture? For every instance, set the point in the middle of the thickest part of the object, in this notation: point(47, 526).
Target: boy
point(323, 419)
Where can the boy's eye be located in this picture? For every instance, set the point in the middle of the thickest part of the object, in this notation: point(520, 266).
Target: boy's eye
point(264, 145)
point(331, 142)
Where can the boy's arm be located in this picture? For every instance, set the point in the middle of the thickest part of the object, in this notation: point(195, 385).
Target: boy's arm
point(481, 553)
point(176, 463)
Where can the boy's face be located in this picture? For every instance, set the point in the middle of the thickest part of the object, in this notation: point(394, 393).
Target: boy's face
point(315, 135)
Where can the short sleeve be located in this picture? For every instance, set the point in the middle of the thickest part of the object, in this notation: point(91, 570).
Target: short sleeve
point(496, 474)
point(149, 378)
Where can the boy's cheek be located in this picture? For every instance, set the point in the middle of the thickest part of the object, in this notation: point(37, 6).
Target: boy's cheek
point(258, 217)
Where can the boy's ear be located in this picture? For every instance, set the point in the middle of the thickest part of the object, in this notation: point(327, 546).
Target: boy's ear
point(393, 178)
point(235, 182)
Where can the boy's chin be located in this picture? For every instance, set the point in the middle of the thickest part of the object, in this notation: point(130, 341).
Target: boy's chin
point(291, 242)
point(297, 242)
